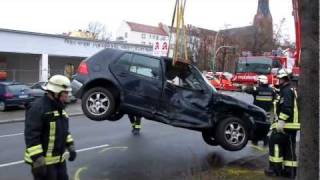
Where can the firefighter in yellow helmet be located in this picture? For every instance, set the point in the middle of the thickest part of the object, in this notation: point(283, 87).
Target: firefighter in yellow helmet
point(282, 143)
point(47, 137)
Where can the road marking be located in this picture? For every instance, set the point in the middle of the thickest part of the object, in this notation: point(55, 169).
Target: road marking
point(80, 150)
point(11, 164)
point(10, 135)
point(77, 174)
point(110, 148)
point(94, 147)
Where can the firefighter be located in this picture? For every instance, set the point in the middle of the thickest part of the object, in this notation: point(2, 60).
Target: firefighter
point(136, 124)
point(282, 144)
point(263, 96)
point(47, 137)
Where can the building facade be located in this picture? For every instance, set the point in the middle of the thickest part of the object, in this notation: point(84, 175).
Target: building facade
point(30, 57)
point(136, 33)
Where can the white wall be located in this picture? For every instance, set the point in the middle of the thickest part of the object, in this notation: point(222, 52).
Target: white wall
point(136, 37)
point(124, 28)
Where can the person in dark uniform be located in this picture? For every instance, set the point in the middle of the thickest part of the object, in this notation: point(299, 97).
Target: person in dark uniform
point(282, 144)
point(47, 137)
point(264, 97)
point(136, 124)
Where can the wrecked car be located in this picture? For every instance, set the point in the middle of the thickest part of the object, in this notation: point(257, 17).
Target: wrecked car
point(112, 83)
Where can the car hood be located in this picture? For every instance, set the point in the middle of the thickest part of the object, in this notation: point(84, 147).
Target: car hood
point(222, 100)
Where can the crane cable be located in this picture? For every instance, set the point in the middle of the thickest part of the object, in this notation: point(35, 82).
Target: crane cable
point(181, 42)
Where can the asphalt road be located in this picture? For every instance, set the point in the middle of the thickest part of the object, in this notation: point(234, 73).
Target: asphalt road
point(108, 150)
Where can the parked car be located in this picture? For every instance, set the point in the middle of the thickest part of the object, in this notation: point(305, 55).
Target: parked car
point(38, 91)
point(14, 94)
point(112, 83)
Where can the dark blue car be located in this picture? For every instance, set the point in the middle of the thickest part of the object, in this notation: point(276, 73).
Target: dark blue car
point(112, 83)
point(14, 94)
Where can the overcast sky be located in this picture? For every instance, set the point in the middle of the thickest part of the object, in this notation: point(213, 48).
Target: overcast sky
point(58, 16)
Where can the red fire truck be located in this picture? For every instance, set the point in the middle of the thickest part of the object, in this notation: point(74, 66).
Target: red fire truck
point(248, 68)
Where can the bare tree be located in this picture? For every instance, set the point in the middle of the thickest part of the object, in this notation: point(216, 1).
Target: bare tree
point(98, 31)
point(279, 38)
point(309, 92)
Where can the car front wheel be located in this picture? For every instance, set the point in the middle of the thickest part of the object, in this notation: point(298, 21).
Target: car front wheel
point(232, 134)
point(98, 104)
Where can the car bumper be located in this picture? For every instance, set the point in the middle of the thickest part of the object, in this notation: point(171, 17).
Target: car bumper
point(76, 88)
point(18, 102)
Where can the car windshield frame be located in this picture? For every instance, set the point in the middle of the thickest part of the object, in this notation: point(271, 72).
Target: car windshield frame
point(38, 85)
point(203, 77)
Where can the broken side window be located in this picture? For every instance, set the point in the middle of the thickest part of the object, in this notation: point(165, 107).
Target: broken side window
point(182, 75)
point(145, 66)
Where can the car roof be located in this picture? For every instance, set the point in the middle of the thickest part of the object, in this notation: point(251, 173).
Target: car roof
point(110, 52)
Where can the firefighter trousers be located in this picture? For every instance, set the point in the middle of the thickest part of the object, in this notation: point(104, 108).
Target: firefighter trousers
point(135, 121)
point(54, 172)
point(282, 155)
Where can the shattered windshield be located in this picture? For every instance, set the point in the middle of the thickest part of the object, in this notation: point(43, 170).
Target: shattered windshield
point(259, 65)
point(208, 83)
point(186, 76)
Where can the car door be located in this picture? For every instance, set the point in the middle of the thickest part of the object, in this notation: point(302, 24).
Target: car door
point(140, 79)
point(187, 99)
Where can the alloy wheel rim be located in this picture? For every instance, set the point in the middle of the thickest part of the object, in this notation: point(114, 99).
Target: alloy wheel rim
point(235, 133)
point(98, 103)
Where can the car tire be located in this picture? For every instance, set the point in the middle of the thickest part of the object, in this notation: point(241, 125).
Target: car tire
point(98, 104)
point(3, 106)
point(209, 137)
point(232, 133)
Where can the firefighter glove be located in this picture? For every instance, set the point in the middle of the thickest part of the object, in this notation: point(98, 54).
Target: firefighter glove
point(280, 125)
point(72, 152)
point(39, 168)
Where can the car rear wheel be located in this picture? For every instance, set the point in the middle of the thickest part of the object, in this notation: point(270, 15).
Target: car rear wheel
point(2, 106)
point(232, 134)
point(98, 104)
point(208, 137)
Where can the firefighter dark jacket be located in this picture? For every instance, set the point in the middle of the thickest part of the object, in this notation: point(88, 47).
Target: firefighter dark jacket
point(287, 109)
point(263, 95)
point(46, 131)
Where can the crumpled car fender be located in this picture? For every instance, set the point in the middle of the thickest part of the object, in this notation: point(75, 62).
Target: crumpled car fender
point(226, 106)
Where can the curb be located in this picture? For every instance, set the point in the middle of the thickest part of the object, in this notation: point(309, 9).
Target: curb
point(6, 121)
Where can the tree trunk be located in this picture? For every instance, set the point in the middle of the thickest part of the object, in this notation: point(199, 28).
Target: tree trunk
point(309, 92)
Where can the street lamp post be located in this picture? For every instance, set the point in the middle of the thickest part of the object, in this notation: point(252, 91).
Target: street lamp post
point(214, 51)
point(230, 47)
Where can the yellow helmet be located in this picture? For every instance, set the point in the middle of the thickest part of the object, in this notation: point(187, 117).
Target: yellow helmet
point(57, 84)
